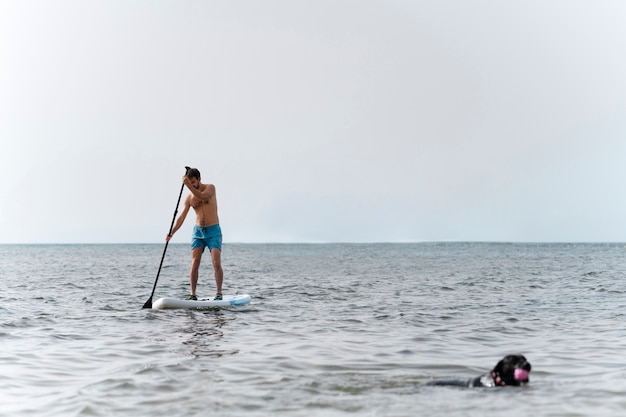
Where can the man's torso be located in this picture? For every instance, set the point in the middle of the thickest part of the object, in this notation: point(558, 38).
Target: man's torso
point(206, 210)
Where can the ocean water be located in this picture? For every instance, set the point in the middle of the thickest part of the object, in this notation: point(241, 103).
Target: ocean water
point(332, 330)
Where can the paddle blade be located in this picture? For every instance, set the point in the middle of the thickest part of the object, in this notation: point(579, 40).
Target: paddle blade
point(148, 303)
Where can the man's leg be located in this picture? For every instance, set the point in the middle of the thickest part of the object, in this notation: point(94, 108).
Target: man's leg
point(196, 258)
point(216, 258)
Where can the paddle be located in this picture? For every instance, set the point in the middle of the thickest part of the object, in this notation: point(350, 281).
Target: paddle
point(148, 303)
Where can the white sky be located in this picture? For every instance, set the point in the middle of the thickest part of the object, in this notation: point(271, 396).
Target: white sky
point(316, 120)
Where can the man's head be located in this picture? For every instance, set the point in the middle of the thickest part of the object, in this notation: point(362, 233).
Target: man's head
point(193, 173)
point(194, 177)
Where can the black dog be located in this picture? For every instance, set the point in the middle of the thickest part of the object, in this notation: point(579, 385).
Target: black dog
point(512, 370)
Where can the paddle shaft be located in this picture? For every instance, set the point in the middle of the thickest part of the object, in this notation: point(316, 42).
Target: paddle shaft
point(148, 303)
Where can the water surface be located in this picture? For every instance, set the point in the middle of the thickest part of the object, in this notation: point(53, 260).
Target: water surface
point(332, 330)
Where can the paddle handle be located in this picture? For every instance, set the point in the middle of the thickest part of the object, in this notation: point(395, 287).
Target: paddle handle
point(148, 303)
point(182, 187)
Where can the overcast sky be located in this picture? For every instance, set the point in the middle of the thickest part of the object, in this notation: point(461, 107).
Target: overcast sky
point(317, 121)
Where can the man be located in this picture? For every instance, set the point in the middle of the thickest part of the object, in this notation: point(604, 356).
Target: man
point(206, 232)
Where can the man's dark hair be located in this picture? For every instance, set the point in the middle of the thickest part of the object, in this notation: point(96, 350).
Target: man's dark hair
point(193, 173)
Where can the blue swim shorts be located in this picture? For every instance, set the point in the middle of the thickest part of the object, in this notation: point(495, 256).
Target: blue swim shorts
point(210, 236)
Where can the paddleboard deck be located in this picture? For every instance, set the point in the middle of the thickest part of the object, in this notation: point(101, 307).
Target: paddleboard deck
point(168, 303)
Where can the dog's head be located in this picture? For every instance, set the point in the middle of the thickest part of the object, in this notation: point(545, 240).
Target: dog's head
point(511, 370)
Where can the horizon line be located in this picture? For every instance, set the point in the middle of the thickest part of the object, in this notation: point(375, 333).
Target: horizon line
point(611, 242)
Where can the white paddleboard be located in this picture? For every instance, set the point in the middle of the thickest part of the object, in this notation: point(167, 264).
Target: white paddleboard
point(227, 301)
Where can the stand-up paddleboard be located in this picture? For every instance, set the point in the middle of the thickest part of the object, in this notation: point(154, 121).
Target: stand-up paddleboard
point(227, 301)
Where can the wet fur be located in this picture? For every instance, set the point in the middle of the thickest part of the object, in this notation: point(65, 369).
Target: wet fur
point(503, 374)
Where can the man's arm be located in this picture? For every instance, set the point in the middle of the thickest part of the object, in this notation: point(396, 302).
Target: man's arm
point(204, 195)
point(180, 220)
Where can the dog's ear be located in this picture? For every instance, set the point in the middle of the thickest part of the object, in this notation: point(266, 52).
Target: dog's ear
point(499, 367)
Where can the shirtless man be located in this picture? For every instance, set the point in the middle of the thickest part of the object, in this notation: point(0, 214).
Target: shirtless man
point(206, 232)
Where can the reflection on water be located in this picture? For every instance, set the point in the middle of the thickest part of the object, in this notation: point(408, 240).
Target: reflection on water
point(203, 333)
